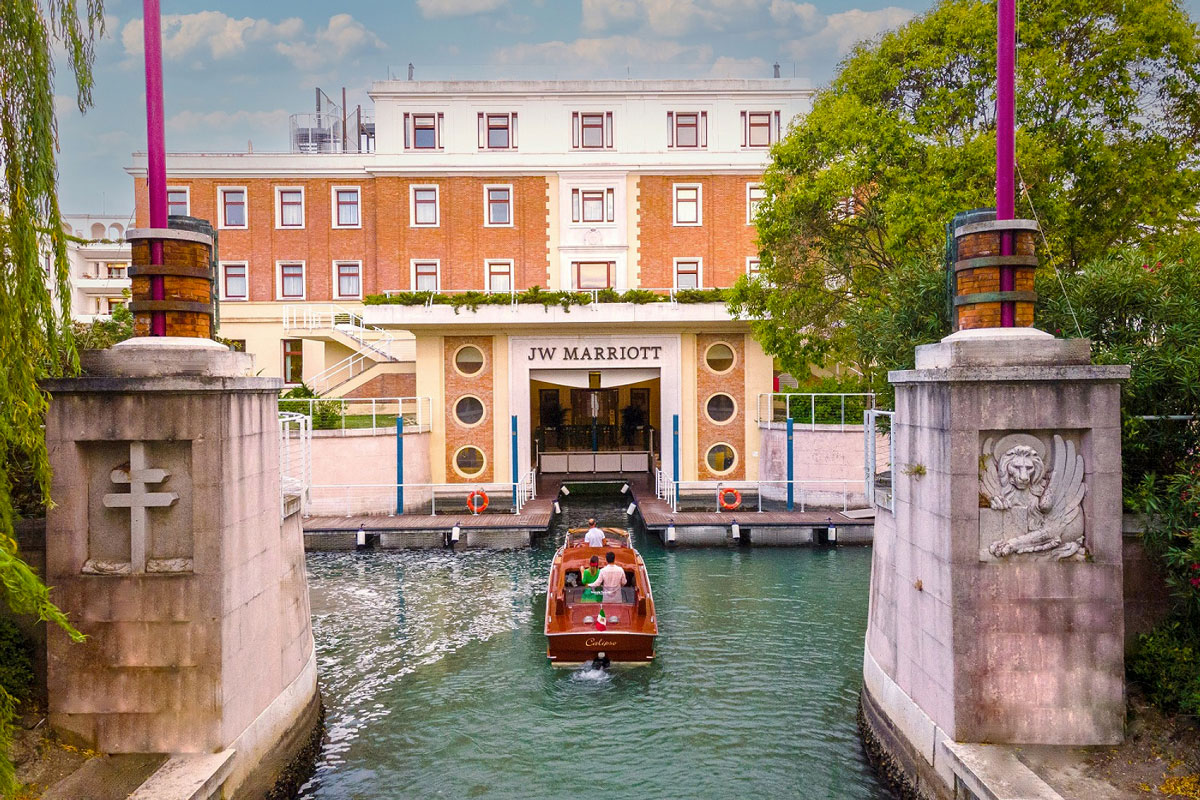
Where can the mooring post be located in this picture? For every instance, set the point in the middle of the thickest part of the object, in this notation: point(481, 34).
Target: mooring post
point(791, 466)
point(516, 475)
point(399, 463)
point(675, 454)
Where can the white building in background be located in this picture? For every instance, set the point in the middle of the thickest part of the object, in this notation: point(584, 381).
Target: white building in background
point(99, 260)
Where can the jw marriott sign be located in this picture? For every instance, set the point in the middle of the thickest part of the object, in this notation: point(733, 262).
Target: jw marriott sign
point(596, 353)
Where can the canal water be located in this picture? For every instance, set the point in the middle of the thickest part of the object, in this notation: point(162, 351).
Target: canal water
point(436, 683)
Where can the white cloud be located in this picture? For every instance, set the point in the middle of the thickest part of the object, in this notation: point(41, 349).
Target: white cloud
point(786, 12)
point(220, 36)
point(726, 67)
point(604, 52)
point(668, 17)
point(457, 8)
point(226, 122)
point(841, 31)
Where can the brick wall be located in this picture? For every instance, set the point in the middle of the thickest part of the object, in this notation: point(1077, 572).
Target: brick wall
point(402, 384)
point(724, 241)
point(478, 385)
point(709, 383)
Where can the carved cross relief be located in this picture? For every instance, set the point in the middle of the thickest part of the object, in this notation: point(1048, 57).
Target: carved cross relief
point(142, 480)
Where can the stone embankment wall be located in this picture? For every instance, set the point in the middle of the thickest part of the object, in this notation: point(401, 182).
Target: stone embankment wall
point(830, 453)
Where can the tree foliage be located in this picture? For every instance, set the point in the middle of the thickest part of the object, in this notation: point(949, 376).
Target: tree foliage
point(34, 330)
point(860, 190)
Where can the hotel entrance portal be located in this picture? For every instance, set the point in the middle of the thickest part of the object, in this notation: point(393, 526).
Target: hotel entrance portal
point(605, 420)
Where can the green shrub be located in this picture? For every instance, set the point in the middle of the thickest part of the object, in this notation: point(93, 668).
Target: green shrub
point(325, 414)
point(1166, 664)
point(16, 660)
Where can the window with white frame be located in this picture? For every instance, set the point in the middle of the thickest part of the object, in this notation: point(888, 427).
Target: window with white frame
point(423, 131)
point(687, 204)
point(594, 274)
point(687, 129)
point(424, 206)
point(752, 267)
point(234, 281)
point(591, 130)
point(499, 275)
point(497, 131)
point(497, 202)
point(687, 273)
point(179, 201)
point(347, 277)
point(425, 276)
point(346, 213)
point(593, 205)
point(760, 128)
point(291, 280)
point(754, 195)
point(289, 207)
point(233, 207)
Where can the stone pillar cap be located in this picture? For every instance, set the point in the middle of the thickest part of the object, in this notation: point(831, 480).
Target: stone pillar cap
point(150, 356)
point(1003, 347)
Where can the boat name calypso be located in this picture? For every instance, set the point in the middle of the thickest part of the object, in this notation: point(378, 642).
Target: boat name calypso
point(597, 353)
point(600, 643)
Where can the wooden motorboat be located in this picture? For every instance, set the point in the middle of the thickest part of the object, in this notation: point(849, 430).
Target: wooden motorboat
point(574, 633)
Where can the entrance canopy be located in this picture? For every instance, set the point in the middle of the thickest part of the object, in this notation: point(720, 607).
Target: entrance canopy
point(579, 378)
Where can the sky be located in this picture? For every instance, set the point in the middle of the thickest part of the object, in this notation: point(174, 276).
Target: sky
point(235, 71)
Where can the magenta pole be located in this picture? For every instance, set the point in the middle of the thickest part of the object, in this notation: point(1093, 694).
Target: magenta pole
point(1006, 141)
point(156, 151)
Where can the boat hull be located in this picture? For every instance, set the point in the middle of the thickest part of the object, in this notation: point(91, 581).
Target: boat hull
point(572, 649)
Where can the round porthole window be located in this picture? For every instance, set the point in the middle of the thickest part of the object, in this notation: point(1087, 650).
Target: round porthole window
point(721, 458)
point(468, 360)
point(469, 461)
point(719, 357)
point(468, 410)
point(720, 408)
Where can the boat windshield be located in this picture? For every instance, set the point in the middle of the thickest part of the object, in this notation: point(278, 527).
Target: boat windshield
point(613, 537)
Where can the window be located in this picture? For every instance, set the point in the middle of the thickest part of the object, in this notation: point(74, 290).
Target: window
point(594, 274)
point(759, 128)
point(498, 205)
point(178, 202)
point(291, 281)
point(720, 408)
point(498, 131)
point(591, 130)
point(687, 273)
point(687, 204)
point(425, 276)
point(234, 284)
point(468, 360)
point(116, 270)
point(345, 207)
point(499, 276)
point(468, 410)
point(752, 267)
point(721, 458)
point(469, 461)
point(233, 208)
point(593, 205)
point(424, 206)
point(719, 357)
point(293, 361)
point(754, 196)
point(289, 208)
point(348, 277)
point(687, 129)
point(423, 131)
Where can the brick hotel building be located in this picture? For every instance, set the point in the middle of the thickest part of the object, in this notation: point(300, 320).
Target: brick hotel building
point(497, 187)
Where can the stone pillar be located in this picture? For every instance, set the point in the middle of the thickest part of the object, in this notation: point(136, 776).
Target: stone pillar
point(167, 548)
point(996, 589)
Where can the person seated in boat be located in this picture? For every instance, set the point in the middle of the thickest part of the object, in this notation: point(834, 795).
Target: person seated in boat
point(590, 573)
point(611, 579)
point(594, 536)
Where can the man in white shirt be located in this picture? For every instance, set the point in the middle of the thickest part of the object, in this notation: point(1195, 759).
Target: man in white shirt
point(594, 536)
point(612, 578)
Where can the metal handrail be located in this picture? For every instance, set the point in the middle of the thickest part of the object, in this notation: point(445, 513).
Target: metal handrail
point(671, 490)
point(525, 490)
point(381, 415)
point(348, 322)
point(871, 457)
point(767, 401)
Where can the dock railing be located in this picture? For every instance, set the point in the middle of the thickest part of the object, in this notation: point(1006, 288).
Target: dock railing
point(807, 495)
point(429, 499)
point(812, 408)
point(879, 461)
point(295, 461)
point(363, 413)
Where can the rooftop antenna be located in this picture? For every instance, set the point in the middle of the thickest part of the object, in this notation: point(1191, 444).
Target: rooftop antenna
point(776, 69)
point(410, 70)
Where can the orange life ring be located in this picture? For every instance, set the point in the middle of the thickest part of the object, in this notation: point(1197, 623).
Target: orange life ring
point(737, 499)
point(480, 507)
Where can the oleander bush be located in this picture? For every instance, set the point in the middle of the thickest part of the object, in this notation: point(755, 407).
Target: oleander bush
point(1166, 664)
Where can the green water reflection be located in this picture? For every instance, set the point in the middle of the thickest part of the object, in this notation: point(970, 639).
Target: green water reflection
point(434, 673)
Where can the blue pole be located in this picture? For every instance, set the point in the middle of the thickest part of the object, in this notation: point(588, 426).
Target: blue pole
point(515, 474)
point(791, 467)
point(675, 454)
point(399, 464)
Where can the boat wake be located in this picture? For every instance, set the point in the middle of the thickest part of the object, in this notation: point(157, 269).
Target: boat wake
point(591, 675)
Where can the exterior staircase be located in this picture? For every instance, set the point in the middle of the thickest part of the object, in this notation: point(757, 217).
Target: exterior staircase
point(375, 350)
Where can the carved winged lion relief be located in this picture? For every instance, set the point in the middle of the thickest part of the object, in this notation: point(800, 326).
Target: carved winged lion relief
point(1031, 505)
